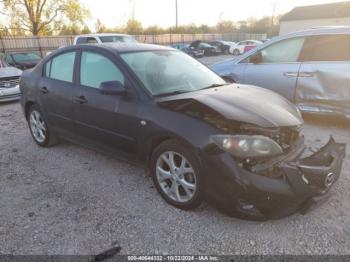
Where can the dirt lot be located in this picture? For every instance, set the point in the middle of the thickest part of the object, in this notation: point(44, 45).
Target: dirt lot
point(71, 200)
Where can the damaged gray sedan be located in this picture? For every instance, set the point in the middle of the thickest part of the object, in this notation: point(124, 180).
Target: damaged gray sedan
point(310, 68)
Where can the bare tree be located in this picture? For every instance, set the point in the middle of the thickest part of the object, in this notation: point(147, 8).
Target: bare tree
point(40, 16)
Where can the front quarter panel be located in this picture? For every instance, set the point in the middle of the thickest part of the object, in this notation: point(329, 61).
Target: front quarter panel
point(27, 86)
point(160, 122)
point(230, 68)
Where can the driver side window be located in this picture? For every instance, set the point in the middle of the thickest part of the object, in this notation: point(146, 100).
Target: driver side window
point(286, 51)
point(96, 68)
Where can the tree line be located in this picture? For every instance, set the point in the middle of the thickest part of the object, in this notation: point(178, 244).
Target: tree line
point(67, 17)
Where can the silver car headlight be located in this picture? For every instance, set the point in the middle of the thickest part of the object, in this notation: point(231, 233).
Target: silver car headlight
point(244, 146)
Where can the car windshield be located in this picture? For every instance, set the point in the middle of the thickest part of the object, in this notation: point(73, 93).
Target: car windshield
point(24, 57)
point(205, 45)
point(165, 72)
point(117, 38)
point(3, 63)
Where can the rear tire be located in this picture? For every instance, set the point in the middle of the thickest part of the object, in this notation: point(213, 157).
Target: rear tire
point(176, 175)
point(39, 129)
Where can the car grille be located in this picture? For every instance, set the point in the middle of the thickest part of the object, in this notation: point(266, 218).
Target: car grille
point(9, 82)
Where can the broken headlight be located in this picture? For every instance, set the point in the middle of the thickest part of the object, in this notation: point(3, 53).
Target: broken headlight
point(244, 146)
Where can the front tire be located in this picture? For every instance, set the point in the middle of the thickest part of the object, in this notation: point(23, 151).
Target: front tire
point(39, 128)
point(176, 175)
point(236, 52)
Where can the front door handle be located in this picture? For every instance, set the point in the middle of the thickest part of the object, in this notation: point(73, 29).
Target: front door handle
point(44, 90)
point(80, 99)
point(306, 74)
point(290, 74)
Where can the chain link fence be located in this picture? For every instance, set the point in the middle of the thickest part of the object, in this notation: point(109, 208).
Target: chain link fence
point(44, 44)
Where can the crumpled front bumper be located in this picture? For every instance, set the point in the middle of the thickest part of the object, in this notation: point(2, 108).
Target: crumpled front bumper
point(304, 182)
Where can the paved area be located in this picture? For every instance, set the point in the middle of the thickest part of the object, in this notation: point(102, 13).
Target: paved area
point(72, 200)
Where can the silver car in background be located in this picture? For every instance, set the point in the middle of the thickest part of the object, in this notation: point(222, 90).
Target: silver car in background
point(310, 68)
point(9, 82)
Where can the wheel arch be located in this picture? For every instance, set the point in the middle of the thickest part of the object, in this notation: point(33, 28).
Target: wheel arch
point(154, 141)
point(27, 106)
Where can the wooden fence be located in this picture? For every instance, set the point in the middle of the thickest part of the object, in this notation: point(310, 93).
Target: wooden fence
point(44, 44)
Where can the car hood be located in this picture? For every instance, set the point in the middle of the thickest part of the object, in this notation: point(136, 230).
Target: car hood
point(9, 71)
point(223, 66)
point(242, 103)
point(31, 63)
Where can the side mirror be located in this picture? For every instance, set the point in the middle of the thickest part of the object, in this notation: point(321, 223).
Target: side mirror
point(256, 58)
point(112, 88)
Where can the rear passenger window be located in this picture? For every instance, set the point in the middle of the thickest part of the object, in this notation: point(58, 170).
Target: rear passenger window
point(96, 68)
point(327, 48)
point(61, 67)
point(81, 40)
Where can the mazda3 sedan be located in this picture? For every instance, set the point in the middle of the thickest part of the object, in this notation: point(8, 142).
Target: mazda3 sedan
point(200, 137)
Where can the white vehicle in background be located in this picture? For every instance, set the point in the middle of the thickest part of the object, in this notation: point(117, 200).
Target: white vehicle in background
point(244, 46)
point(9, 82)
point(103, 38)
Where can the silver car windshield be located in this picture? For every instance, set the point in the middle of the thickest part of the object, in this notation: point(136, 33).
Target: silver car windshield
point(166, 72)
point(117, 38)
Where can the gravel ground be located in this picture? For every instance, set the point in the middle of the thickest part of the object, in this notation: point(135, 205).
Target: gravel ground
point(72, 200)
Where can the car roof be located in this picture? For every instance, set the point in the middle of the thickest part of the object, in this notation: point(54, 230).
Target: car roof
point(123, 47)
point(322, 30)
point(102, 34)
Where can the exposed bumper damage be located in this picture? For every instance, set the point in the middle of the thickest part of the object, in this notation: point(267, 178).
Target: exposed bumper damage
point(282, 185)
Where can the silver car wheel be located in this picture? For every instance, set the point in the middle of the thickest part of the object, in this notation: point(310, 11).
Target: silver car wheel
point(37, 126)
point(176, 177)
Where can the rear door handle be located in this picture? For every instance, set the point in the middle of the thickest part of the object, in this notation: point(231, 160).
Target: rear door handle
point(44, 90)
point(306, 74)
point(80, 99)
point(290, 74)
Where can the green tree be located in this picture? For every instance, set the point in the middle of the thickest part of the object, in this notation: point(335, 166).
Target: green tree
point(133, 27)
point(44, 16)
point(86, 30)
point(226, 26)
point(100, 27)
point(153, 30)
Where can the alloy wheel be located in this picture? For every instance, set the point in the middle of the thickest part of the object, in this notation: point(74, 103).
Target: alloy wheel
point(37, 126)
point(176, 177)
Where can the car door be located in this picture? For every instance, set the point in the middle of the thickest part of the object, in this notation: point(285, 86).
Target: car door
point(324, 77)
point(276, 68)
point(56, 89)
point(108, 121)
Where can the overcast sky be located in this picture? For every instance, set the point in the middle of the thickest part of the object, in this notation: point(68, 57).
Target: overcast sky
point(162, 12)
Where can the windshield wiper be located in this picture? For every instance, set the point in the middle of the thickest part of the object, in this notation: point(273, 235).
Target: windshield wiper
point(178, 92)
point(213, 86)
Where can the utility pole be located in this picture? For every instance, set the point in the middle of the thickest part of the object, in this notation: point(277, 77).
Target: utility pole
point(176, 14)
point(273, 14)
point(273, 17)
point(132, 9)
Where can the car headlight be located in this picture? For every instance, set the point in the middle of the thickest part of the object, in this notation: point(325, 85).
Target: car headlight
point(243, 146)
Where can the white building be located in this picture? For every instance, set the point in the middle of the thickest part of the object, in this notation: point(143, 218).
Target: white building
point(306, 17)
